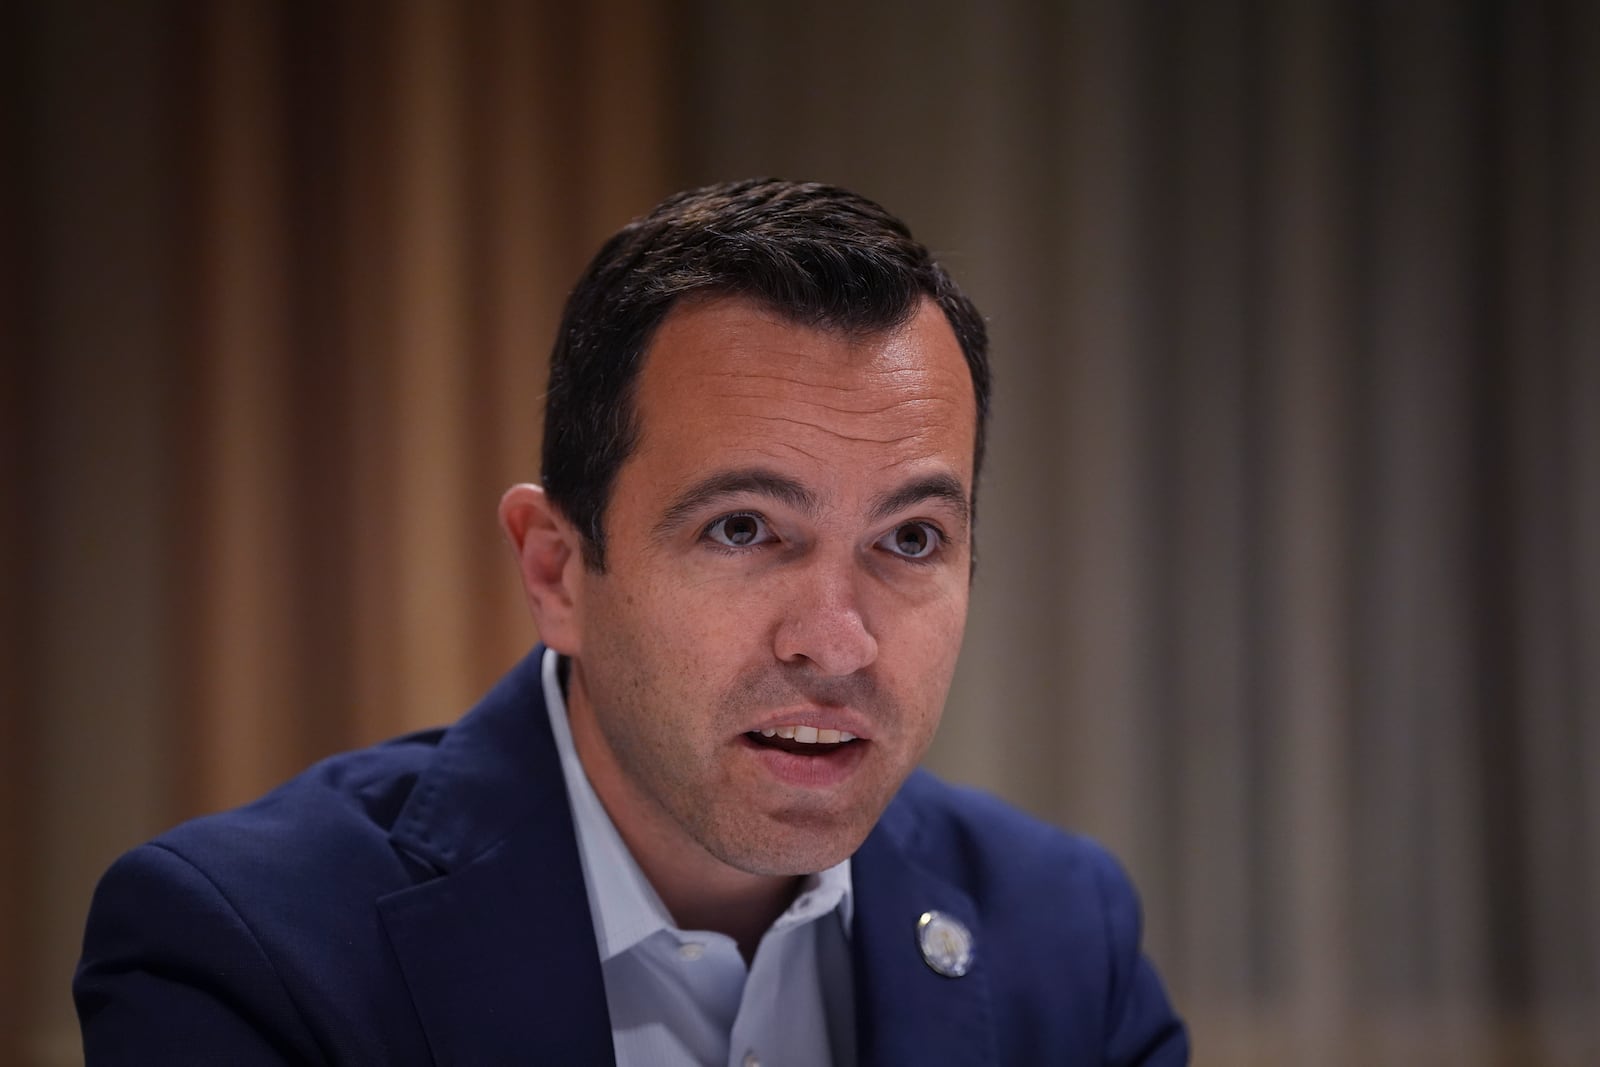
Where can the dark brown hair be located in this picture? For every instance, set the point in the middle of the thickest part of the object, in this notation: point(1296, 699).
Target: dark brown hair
point(817, 254)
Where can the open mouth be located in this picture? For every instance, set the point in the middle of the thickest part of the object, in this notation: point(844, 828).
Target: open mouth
point(804, 740)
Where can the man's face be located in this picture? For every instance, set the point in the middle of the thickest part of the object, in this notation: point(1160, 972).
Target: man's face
point(787, 552)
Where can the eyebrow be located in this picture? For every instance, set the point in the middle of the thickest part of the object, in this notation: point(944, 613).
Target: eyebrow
point(758, 481)
point(751, 480)
point(942, 487)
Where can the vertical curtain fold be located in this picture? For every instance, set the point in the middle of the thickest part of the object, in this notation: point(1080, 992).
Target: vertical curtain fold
point(290, 277)
point(1286, 588)
point(1305, 335)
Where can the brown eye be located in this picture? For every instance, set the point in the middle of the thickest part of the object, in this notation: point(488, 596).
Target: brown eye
point(739, 531)
point(914, 540)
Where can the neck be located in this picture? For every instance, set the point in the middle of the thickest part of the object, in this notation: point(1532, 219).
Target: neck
point(700, 891)
point(743, 907)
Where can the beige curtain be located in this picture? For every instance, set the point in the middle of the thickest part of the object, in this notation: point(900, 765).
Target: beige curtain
point(1288, 585)
point(286, 278)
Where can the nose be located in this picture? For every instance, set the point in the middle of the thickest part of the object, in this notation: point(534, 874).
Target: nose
point(823, 624)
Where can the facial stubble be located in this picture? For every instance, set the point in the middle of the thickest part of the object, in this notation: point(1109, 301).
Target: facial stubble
point(693, 772)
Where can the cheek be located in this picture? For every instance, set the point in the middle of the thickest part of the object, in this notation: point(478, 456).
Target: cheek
point(922, 655)
point(703, 634)
point(725, 605)
point(930, 632)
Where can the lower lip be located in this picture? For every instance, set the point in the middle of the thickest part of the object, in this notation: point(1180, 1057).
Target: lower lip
point(810, 772)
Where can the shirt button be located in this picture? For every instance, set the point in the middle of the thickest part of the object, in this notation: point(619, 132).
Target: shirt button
point(691, 950)
point(751, 1059)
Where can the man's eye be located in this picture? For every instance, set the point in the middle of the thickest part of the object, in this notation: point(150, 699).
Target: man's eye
point(739, 531)
point(913, 540)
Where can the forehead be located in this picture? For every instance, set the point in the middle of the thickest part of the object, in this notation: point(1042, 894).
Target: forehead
point(728, 380)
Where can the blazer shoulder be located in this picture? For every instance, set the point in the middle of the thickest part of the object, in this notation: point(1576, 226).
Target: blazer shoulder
point(1062, 913)
point(962, 832)
point(337, 813)
point(251, 935)
point(258, 934)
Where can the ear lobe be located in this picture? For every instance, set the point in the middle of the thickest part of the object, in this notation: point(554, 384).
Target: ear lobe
point(548, 557)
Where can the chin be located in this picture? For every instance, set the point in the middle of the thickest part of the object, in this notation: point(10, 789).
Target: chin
point(786, 851)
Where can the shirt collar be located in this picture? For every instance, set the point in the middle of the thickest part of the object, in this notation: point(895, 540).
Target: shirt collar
point(625, 907)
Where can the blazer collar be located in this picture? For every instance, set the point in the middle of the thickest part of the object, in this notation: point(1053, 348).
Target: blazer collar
point(497, 946)
point(905, 1011)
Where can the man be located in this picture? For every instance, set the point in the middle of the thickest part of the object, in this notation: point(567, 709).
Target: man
point(682, 831)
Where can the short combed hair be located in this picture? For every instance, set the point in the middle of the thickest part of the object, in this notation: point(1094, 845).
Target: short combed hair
point(818, 255)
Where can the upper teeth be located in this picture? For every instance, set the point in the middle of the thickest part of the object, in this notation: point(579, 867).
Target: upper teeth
point(808, 735)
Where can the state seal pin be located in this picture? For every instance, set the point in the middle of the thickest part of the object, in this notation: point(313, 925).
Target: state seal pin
point(946, 944)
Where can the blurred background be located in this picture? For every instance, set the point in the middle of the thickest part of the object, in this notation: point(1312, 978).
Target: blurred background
point(1288, 591)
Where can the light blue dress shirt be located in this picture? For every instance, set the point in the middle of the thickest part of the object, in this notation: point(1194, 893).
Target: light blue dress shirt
point(685, 997)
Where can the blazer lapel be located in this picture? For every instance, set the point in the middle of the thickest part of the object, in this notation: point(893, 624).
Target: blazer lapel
point(905, 1011)
point(501, 959)
point(497, 944)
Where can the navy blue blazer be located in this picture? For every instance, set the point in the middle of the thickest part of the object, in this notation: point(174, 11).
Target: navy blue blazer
point(422, 902)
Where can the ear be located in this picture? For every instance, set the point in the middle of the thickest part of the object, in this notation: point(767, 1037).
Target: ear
point(548, 553)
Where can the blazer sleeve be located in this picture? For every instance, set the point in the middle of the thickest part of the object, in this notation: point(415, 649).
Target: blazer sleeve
point(172, 974)
point(1142, 1028)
